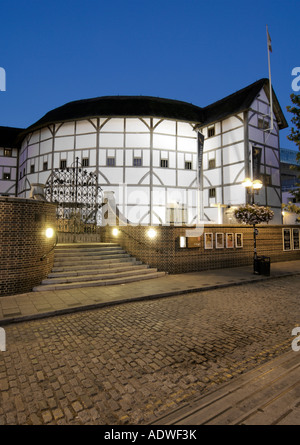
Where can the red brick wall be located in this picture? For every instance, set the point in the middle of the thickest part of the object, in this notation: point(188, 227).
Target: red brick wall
point(23, 243)
point(164, 252)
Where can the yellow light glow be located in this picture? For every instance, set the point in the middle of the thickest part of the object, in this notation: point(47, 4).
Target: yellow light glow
point(257, 184)
point(247, 182)
point(115, 232)
point(151, 233)
point(49, 232)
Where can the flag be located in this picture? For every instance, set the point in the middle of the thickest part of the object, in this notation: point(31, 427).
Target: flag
point(269, 41)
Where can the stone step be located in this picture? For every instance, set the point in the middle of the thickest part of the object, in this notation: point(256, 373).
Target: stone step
point(84, 260)
point(114, 268)
point(102, 263)
point(97, 277)
point(108, 282)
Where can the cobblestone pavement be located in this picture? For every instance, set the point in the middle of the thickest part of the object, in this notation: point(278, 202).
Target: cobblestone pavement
point(131, 363)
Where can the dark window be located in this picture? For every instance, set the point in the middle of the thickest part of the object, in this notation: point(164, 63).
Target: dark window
point(137, 162)
point(63, 164)
point(212, 193)
point(85, 162)
point(164, 163)
point(6, 176)
point(111, 162)
point(211, 131)
point(211, 163)
point(267, 180)
point(32, 168)
point(188, 165)
point(45, 166)
point(263, 123)
point(8, 152)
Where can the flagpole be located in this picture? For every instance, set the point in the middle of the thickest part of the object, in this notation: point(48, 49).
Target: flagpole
point(270, 81)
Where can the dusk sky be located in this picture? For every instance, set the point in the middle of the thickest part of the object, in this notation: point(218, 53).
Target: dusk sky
point(196, 51)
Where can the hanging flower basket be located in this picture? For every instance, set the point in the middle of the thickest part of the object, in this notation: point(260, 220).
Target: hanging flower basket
point(253, 214)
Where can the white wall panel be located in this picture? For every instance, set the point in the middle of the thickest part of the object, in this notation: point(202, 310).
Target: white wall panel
point(233, 153)
point(35, 137)
point(213, 176)
point(166, 127)
point(164, 142)
point(46, 146)
point(33, 150)
point(211, 143)
point(86, 141)
point(231, 122)
point(65, 129)
point(187, 144)
point(84, 127)
point(256, 135)
point(271, 158)
point(186, 177)
point(233, 173)
point(111, 140)
point(138, 140)
point(45, 134)
point(113, 125)
point(133, 175)
point(185, 129)
point(64, 143)
point(135, 125)
point(168, 177)
point(233, 136)
point(234, 194)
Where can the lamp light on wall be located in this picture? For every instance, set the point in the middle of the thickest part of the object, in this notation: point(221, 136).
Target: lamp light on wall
point(151, 233)
point(252, 187)
point(49, 232)
point(115, 232)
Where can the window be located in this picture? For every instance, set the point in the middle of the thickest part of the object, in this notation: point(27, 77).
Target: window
point(267, 180)
point(211, 131)
point(8, 152)
point(137, 162)
point(63, 164)
point(6, 176)
point(110, 162)
point(212, 193)
point(85, 162)
point(164, 163)
point(32, 168)
point(263, 123)
point(188, 165)
point(211, 163)
point(45, 166)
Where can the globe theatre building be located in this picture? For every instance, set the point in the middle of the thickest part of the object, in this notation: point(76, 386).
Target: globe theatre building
point(166, 161)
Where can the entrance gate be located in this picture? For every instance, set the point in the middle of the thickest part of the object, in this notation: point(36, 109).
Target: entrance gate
point(78, 197)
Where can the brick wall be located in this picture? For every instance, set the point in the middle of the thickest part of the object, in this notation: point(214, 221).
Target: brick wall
point(165, 253)
point(23, 243)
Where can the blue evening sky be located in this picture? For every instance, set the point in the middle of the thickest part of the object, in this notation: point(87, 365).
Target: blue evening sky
point(196, 51)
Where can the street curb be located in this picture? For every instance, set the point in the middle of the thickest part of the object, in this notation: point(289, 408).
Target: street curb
point(102, 304)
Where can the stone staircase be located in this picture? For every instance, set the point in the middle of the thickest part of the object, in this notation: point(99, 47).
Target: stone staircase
point(94, 264)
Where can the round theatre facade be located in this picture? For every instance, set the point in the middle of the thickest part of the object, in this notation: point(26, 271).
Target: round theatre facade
point(143, 149)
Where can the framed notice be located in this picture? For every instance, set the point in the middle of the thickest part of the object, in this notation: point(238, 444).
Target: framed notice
point(219, 240)
point(296, 245)
point(238, 240)
point(208, 241)
point(286, 239)
point(229, 241)
point(193, 241)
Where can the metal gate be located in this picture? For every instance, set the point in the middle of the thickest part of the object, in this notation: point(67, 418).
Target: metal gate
point(78, 197)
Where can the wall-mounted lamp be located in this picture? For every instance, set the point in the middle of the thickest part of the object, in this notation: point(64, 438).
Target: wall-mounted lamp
point(151, 233)
point(49, 233)
point(252, 187)
point(115, 232)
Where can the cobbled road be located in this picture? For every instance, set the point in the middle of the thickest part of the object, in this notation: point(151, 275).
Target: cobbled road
point(131, 363)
